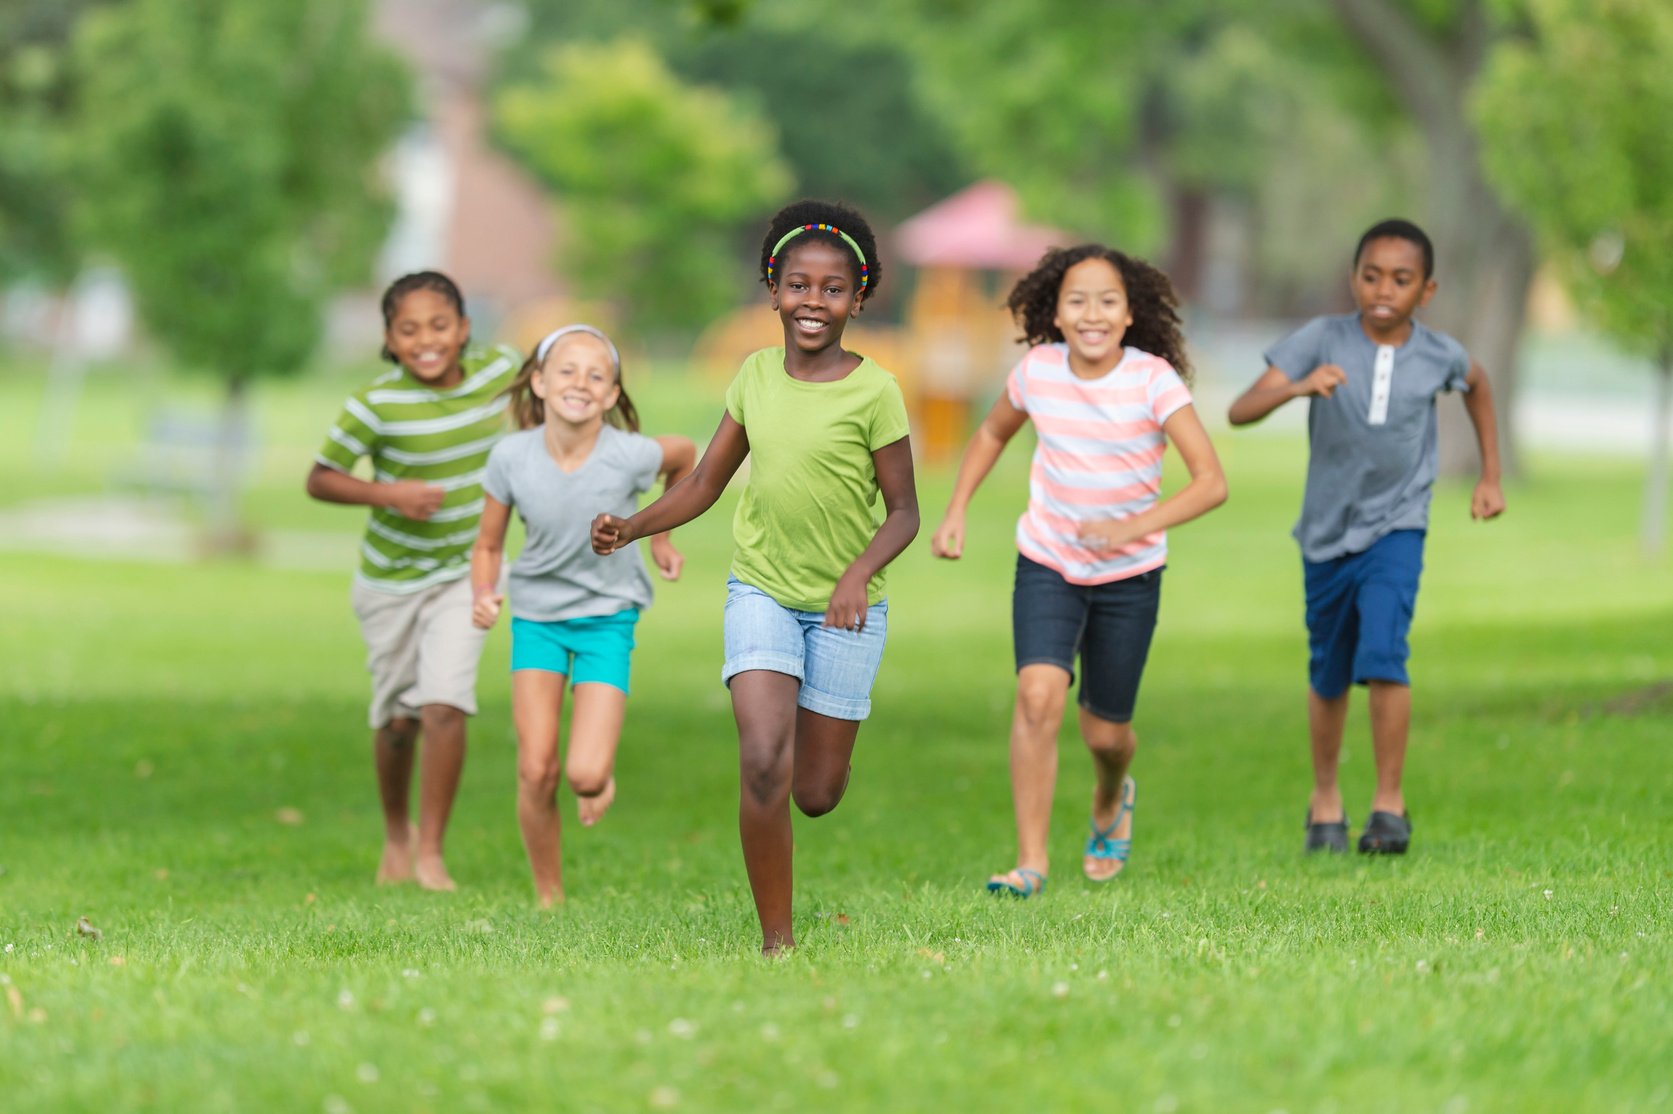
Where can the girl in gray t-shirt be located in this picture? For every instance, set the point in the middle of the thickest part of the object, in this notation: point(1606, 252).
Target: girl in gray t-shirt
point(579, 451)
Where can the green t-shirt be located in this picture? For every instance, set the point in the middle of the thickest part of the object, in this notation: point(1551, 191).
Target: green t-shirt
point(412, 432)
point(811, 506)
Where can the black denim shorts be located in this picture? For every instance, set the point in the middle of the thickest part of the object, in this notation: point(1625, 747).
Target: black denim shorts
point(1108, 626)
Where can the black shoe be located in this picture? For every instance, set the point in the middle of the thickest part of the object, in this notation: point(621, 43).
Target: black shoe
point(1385, 834)
point(1332, 837)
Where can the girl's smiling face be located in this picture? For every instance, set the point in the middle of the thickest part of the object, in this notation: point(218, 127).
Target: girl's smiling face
point(578, 381)
point(1093, 314)
point(427, 335)
point(815, 292)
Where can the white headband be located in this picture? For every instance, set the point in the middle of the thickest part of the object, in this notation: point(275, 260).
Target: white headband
point(556, 335)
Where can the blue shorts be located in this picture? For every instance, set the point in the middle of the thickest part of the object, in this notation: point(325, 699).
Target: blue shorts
point(1359, 611)
point(836, 667)
point(593, 648)
point(1108, 626)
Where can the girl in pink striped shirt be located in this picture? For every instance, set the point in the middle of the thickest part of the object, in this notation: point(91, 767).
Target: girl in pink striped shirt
point(1105, 385)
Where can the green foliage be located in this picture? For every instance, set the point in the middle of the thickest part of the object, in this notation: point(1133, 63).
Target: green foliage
point(225, 153)
point(1574, 117)
point(660, 182)
point(36, 87)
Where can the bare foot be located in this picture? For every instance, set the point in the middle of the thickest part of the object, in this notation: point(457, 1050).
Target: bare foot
point(432, 873)
point(550, 900)
point(396, 865)
point(592, 808)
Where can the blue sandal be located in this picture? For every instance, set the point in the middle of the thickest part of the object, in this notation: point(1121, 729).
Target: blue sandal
point(1102, 846)
point(1033, 883)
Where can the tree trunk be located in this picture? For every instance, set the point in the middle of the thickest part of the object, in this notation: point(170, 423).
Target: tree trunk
point(1654, 525)
point(1484, 254)
point(224, 532)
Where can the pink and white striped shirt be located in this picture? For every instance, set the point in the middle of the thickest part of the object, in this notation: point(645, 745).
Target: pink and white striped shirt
point(1099, 456)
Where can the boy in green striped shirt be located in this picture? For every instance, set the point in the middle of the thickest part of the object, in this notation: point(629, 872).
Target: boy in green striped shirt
point(427, 426)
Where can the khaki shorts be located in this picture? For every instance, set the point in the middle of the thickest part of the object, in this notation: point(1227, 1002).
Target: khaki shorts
point(421, 648)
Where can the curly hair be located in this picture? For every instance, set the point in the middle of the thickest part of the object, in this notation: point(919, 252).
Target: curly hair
point(1150, 297)
point(808, 211)
point(418, 280)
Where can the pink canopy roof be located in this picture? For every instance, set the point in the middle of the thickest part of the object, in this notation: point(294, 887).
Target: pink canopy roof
point(977, 228)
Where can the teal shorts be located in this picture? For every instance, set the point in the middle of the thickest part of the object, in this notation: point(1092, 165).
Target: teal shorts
point(591, 649)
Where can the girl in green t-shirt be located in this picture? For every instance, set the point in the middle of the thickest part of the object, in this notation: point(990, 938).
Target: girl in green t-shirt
point(805, 610)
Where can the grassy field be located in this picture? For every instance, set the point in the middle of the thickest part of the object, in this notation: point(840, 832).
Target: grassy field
point(185, 766)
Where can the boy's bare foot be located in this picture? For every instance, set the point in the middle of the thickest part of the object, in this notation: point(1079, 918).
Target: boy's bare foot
point(432, 873)
point(396, 865)
point(592, 808)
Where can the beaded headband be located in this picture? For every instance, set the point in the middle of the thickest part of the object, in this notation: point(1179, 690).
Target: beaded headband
point(556, 335)
point(846, 238)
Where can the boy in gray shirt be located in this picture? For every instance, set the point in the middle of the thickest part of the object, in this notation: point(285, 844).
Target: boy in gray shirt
point(1372, 378)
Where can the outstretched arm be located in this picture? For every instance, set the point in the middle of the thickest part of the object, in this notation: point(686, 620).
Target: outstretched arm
point(486, 557)
point(1205, 491)
point(847, 609)
point(1488, 499)
point(980, 455)
point(686, 499)
point(1274, 388)
point(679, 455)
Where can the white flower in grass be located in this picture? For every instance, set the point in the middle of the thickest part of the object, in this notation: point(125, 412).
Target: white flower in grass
point(549, 1029)
point(665, 1098)
point(1548, 895)
point(851, 1021)
point(410, 973)
point(769, 1031)
point(828, 1079)
point(366, 1073)
point(680, 1027)
point(426, 1016)
point(1059, 990)
point(1166, 1104)
point(345, 999)
point(300, 1038)
point(337, 1104)
point(1423, 966)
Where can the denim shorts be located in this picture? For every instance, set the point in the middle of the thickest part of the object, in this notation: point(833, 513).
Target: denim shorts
point(592, 648)
point(1107, 625)
point(836, 667)
point(1359, 611)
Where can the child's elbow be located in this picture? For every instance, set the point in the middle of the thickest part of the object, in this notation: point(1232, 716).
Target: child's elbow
point(1216, 490)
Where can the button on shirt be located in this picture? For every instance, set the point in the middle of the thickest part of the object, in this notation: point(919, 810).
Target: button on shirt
point(1373, 458)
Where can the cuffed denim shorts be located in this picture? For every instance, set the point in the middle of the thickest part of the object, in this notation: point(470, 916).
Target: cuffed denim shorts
point(1359, 612)
point(1108, 626)
point(836, 667)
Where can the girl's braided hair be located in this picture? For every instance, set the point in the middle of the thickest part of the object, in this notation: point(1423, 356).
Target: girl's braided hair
point(806, 212)
point(1150, 297)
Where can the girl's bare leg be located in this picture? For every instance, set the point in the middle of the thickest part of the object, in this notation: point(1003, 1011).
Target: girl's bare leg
point(1042, 691)
point(536, 704)
point(595, 730)
point(1112, 746)
point(764, 705)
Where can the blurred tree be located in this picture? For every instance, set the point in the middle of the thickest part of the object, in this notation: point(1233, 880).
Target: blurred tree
point(1575, 119)
point(35, 92)
point(657, 179)
point(225, 155)
point(880, 147)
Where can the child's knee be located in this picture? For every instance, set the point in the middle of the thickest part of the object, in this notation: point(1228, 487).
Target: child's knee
point(441, 717)
point(1040, 701)
point(816, 799)
point(588, 779)
point(1106, 739)
point(538, 778)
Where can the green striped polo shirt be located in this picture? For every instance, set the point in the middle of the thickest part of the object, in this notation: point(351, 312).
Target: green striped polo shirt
point(412, 432)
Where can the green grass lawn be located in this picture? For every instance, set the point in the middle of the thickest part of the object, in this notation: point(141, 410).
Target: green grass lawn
point(185, 765)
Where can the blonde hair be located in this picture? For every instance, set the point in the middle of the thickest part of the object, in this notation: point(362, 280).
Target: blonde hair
point(529, 409)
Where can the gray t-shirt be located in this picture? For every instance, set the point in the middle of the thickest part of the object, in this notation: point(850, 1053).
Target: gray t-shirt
point(1372, 458)
point(557, 575)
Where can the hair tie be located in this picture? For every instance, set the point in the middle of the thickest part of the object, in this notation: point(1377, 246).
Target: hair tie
point(846, 238)
point(556, 335)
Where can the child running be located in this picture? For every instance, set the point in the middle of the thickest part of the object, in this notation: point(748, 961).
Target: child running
point(427, 425)
point(1372, 378)
point(572, 611)
point(805, 605)
point(1105, 387)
